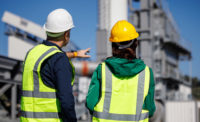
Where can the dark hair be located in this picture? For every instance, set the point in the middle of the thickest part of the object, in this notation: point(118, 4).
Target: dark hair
point(127, 53)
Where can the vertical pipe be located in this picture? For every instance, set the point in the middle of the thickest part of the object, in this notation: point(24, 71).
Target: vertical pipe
point(146, 44)
point(116, 13)
point(103, 28)
point(13, 101)
point(190, 71)
point(130, 3)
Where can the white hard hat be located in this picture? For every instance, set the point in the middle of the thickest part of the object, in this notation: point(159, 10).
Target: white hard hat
point(58, 21)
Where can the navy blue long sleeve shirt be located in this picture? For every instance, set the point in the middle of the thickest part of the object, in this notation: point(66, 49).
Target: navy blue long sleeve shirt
point(56, 72)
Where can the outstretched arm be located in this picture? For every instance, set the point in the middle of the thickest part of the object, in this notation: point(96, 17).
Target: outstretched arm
point(79, 54)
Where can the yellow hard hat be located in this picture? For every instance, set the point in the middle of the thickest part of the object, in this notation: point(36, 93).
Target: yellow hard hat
point(123, 31)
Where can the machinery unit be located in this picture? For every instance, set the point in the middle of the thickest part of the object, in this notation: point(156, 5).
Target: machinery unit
point(161, 48)
point(23, 33)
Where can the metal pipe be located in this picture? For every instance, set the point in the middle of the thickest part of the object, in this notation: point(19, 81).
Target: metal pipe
point(84, 68)
point(160, 3)
point(190, 71)
point(130, 4)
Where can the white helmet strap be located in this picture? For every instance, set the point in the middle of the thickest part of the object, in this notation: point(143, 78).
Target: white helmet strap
point(125, 46)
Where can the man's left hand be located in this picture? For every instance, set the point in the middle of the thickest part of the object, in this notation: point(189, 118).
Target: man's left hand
point(83, 53)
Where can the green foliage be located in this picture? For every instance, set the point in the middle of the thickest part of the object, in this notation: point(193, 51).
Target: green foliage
point(196, 88)
point(196, 93)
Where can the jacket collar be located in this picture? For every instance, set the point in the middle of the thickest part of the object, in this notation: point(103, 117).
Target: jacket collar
point(48, 43)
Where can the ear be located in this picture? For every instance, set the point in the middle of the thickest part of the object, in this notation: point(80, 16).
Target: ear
point(67, 35)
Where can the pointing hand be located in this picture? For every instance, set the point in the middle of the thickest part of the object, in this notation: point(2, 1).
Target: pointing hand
point(83, 53)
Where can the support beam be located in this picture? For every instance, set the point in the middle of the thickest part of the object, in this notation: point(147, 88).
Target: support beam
point(13, 101)
point(4, 89)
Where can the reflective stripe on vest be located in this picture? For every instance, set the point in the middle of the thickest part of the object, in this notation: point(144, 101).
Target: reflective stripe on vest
point(39, 102)
point(36, 92)
point(106, 103)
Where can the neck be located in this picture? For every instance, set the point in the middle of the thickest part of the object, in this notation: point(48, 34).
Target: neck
point(59, 43)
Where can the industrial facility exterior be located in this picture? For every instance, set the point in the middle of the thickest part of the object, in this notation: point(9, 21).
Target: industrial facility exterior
point(160, 48)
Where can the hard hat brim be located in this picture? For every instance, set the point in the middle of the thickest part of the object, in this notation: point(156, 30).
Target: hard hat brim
point(134, 36)
point(58, 31)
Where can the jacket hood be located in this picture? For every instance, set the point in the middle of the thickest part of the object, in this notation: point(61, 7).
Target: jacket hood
point(121, 67)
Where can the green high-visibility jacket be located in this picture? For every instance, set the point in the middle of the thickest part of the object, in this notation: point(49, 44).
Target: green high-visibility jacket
point(38, 101)
point(120, 67)
point(122, 98)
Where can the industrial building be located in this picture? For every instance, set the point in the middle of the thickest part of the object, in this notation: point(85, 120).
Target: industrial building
point(160, 46)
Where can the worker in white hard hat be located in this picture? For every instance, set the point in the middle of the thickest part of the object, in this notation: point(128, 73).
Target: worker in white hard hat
point(122, 86)
point(48, 74)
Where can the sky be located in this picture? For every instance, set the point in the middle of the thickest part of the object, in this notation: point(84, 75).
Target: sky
point(85, 13)
point(187, 17)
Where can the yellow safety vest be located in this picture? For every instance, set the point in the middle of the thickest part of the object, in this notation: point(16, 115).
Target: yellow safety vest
point(122, 98)
point(38, 101)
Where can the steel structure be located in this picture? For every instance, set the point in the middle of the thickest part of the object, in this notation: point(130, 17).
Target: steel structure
point(10, 81)
point(160, 48)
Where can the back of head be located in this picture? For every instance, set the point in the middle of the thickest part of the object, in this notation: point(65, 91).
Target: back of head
point(125, 49)
point(124, 40)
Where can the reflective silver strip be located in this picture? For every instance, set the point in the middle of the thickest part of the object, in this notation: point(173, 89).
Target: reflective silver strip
point(108, 90)
point(27, 54)
point(120, 117)
point(36, 92)
point(107, 101)
point(39, 95)
point(26, 58)
point(35, 73)
point(140, 93)
point(27, 114)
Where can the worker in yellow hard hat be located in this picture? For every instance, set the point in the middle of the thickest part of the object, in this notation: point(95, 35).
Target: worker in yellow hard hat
point(122, 86)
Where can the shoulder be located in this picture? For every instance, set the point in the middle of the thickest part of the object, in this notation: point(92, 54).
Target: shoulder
point(152, 82)
point(60, 62)
point(99, 67)
point(57, 59)
point(97, 72)
point(149, 68)
point(150, 72)
point(60, 56)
